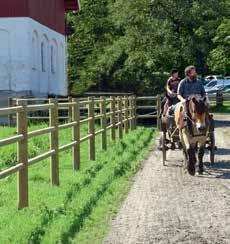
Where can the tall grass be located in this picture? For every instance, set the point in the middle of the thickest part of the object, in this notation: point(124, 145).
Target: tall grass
point(58, 214)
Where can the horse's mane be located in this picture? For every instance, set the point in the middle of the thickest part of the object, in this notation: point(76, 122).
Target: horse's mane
point(196, 96)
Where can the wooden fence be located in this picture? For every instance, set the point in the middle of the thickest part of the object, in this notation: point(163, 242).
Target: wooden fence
point(114, 112)
point(148, 108)
point(219, 99)
point(145, 107)
point(66, 113)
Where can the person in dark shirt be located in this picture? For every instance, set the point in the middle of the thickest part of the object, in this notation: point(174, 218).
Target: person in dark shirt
point(190, 85)
point(171, 87)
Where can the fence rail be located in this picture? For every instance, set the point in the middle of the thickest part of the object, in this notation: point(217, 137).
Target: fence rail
point(219, 99)
point(114, 113)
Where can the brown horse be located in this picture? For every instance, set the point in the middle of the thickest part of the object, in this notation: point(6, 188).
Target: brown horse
point(193, 129)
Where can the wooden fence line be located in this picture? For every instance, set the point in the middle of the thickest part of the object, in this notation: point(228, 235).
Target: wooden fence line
point(120, 111)
point(121, 114)
point(219, 99)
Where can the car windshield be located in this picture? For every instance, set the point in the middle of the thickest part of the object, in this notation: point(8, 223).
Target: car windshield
point(218, 87)
point(211, 84)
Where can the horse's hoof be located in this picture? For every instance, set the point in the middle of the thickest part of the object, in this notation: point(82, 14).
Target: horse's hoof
point(192, 170)
point(192, 173)
point(201, 170)
point(172, 146)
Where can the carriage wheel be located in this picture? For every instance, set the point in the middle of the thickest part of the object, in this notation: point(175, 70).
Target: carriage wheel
point(164, 147)
point(212, 147)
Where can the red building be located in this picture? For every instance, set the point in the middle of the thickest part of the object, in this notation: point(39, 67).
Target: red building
point(33, 45)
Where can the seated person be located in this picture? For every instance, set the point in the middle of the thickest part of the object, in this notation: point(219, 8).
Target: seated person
point(191, 85)
point(171, 87)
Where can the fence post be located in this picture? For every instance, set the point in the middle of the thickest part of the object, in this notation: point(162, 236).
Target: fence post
point(10, 116)
point(158, 111)
point(70, 109)
point(91, 129)
point(126, 125)
point(135, 112)
point(131, 114)
point(76, 134)
point(53, 115)
point(120, 120)
point(103, 123)
point(219, 99)
point(112, 118)
point(22, 156)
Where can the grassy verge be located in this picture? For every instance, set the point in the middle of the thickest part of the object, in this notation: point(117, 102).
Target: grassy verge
point(73, 211)
point(221, 109)
point(96, 226)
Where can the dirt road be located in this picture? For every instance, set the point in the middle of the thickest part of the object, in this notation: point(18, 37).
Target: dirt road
point(166, 205)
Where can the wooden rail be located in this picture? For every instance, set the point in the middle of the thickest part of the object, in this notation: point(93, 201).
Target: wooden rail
point(119, 111)
point(148, 108)
point(219, 99)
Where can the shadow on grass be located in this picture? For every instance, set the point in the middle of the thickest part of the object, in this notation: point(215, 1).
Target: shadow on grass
point(220, 109)
point(90, 173)
point(81, 217)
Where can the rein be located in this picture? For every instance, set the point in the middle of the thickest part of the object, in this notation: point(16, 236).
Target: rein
point(190, 121)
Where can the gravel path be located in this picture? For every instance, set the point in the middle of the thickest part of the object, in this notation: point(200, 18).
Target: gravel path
point(166, 205)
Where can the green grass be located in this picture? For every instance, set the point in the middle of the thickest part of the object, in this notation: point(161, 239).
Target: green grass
point(80, 209)
point(221, 109)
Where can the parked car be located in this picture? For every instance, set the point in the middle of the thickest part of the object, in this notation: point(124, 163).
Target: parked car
point(214, 77)
point(227, 77)
point(213, 83)
point(226, 89)
point(220, 89)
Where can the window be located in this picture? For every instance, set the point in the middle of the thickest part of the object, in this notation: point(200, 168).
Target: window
point(53, 56)
point(211, 84)
point(34, 50)
point(43, 57)
point(33, 54)
point(226, 88)
point(52, 60)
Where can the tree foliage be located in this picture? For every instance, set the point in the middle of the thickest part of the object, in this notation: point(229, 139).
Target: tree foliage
point(120, 45)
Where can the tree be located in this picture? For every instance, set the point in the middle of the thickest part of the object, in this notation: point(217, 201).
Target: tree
point(219, 58)
point(121, 45)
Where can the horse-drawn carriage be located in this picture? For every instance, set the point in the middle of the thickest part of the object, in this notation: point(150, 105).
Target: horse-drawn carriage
point(171, 138)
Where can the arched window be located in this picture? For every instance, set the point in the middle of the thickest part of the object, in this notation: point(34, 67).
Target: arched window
point(52, 60)
point(43, 57)
point(35, 50)
point(44, 53)
point(62, 61)
point(5, 60)
point(54, 56)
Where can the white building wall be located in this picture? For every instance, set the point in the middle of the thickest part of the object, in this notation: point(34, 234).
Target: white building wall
point(32, 57)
